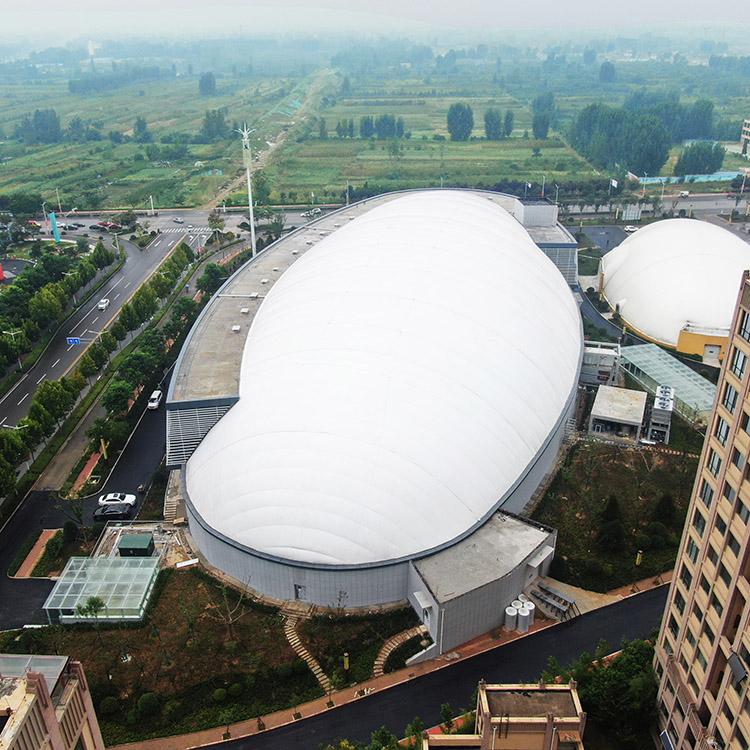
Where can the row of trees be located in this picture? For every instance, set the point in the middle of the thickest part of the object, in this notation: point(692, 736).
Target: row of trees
point(497, 126)
point(54, 399)
point(93, 83)
point(460, 122)
point(702, 157)
point(38, 298)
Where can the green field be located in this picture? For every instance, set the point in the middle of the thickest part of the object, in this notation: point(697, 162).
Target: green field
point(120, 175)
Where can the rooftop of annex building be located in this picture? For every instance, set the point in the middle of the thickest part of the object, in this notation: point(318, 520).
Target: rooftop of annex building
point(208, 369)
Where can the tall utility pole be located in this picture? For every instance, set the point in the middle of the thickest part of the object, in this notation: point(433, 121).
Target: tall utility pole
point(59, 205)
point(247, 158)
point(151, 201)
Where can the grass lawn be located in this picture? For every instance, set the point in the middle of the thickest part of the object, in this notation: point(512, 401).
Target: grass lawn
point(57, 553)
point(397, 658)
point(329, 637)
point(183, 654)
point(591, 473)
point(323, 166)
point(120, 175)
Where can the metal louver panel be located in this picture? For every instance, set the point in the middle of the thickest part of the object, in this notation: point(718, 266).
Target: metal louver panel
point(186, 427)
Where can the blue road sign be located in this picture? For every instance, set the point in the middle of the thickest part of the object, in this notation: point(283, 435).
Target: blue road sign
point(73, 340)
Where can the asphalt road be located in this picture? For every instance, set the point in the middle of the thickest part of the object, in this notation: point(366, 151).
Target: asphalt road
point(520, 661)
point(84, 323)
point(21, 600)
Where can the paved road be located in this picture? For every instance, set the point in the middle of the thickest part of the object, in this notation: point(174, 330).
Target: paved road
point(84, 323)
point(21, 601)
point(605, 237)
point(520, 661)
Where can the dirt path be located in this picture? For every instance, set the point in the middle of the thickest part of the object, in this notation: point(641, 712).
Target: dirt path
point(264, 155)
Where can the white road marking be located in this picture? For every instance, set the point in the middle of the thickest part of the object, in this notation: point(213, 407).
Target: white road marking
point(70, 347)
point(94, 320)
point(115, 285)
point(42, 378)
point(23, 399)
point(13, 388)
point(3, 422)
point(126, 285)
point(116, 296)
point(82, 332)
point(56, 362)
point(156, 244)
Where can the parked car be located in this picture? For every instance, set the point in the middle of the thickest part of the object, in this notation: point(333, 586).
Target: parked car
point(155, 400)
point(103, 304)
point(113, 512)
point(629, 229)
point(117, 498)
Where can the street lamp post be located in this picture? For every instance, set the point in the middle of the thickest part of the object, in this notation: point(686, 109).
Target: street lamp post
point(248, 160)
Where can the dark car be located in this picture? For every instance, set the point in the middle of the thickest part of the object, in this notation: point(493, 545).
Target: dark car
point(113, 512)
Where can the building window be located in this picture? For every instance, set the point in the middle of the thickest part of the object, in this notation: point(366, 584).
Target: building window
point(721, 525)
point(693, 685)
point(739, 360)
point(699, 523)
point(717, 606)
point(729, 492)
point(744, 421)
point(689, 637)
point(697, 612)
point(701, 659)
point(705, 585)
point(737, 458)
point(724, 575)
point(741, 741)
point(692, 550)
point(742, 511)
point(744, 329)
point(714, 462)
point(674, 628)
point(733, 544)
point(708, 632)
point(706, 493)
point(729, 400)
point(679, 602)
point(722, 430)
point(686, 577)
point(712, 554)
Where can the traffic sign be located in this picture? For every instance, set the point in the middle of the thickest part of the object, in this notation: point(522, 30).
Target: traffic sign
point(74, 340)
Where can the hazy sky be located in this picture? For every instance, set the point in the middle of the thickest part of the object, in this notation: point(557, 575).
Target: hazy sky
point(88, 18)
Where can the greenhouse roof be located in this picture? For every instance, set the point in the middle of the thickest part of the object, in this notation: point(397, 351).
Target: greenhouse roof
point(664, 369)
point(122, 583)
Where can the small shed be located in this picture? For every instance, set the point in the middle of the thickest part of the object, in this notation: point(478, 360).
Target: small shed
point(136, 545)
point(617, 414)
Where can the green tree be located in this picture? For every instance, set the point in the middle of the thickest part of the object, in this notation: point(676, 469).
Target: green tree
point(115, 398)
point(118, 330)
point(137, 367)
point(607, 73)
point(261, 188)
point(12, 448)
point(207, 84)
point(108, 341)
point(460, 121)
point(322, 128)
point(700, 158)
point(493, 125)
point(611, 534)
point(141, 133)
point(665, 511)
point(7, 478)
point(540, 125)
point(87, 366)
point(99, 355)
point(446, 714)
point(211, 279)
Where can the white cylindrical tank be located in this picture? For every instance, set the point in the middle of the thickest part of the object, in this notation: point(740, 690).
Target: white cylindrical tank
point(524, 620)
point(531, 607)
point(517, 603)
point(511, 618)
point(523, 598)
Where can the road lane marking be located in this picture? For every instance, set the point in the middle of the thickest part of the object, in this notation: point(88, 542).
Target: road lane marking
point(23, 399)
point(13, 388)
point(42, 378)
point(3, 422)
point(82, 332)
point(94, 320)
point(126, 285)
point(116, 296)
point(114, 286)
point(70, 347)
point(56, 363)
point(157, 243)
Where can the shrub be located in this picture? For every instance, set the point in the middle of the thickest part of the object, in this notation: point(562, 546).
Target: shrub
point(131, 719)
point(148, 704)
point(219, 695)
point(171, 710)
point(235, 690)
point(109, 706)
point(659, 534)
point(70, 532)
point(54, 546)
point(642, 541)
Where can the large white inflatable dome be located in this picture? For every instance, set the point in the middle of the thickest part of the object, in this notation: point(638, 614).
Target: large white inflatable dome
point(396, 384)
point(674, 273)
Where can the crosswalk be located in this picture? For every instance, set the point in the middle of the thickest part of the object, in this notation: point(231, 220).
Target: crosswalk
point(167, 230)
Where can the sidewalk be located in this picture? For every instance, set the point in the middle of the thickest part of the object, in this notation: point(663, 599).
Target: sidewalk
point(35, 554)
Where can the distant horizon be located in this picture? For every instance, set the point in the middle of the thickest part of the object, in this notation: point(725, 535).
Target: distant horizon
point(421, 19)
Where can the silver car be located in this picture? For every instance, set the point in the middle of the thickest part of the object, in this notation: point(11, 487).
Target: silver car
point(117, 498)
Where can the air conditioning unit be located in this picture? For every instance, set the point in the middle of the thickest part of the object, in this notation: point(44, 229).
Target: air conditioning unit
point(254, 295)
point(264, 281)
point(236, 328)
point(244, 310)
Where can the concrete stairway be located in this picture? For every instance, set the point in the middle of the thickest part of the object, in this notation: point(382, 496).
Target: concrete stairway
point(392, 644)
point(290, 631)
point(170, 508)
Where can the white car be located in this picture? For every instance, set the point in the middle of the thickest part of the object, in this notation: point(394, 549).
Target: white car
point(117, 498)
point(629, 229)
point(154, 400)
point(103, 304)
point(178, 220)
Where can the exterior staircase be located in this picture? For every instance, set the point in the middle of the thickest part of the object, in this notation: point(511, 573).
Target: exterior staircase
point(290, 631)
point(392, 644)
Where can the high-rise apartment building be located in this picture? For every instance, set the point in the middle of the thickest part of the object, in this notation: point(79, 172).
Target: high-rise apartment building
point(703, 651)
